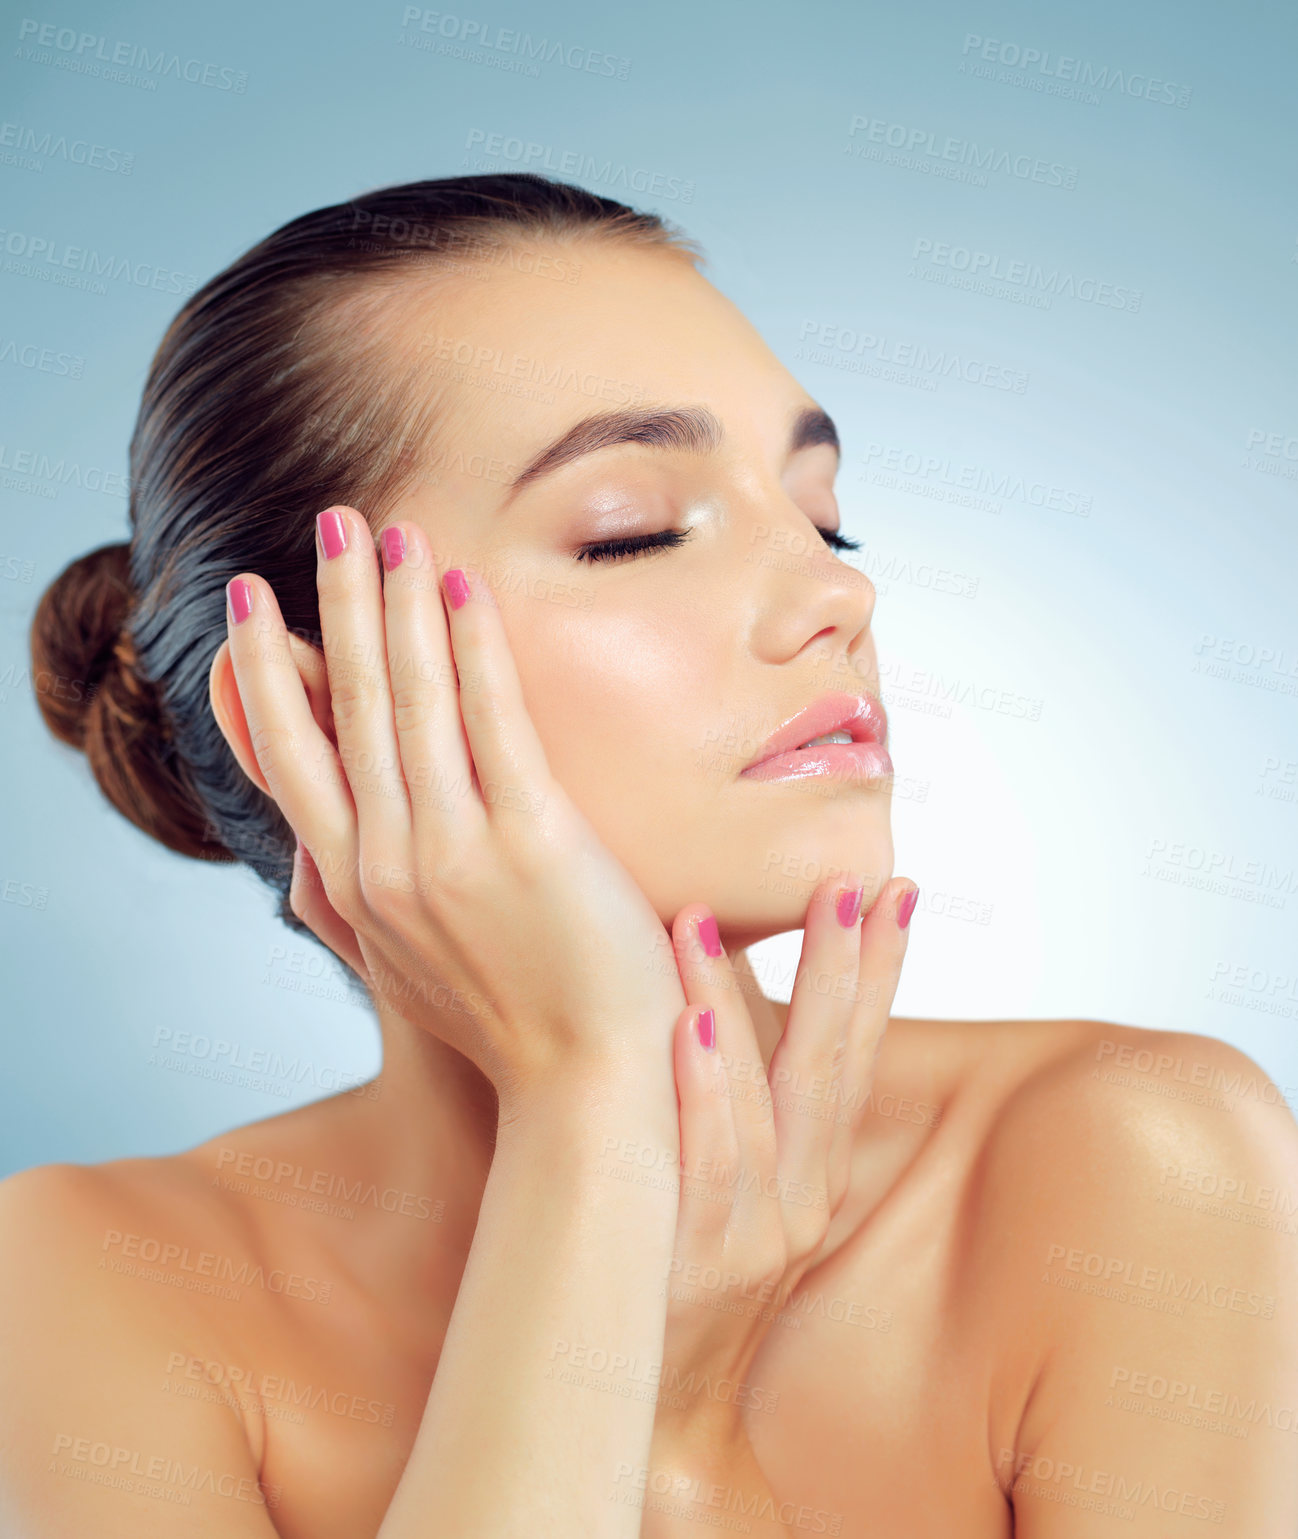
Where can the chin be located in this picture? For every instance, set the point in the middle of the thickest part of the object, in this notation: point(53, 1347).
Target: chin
point(806, 852)
point(776, 899)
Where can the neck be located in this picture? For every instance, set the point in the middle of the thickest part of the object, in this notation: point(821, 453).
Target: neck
point(424, 1132)
point(424, 1135)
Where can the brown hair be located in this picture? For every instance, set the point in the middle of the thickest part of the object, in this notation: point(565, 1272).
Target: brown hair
point(274, 393)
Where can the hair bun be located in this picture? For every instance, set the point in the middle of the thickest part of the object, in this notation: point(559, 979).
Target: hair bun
point(80, 648)
point(92, 693)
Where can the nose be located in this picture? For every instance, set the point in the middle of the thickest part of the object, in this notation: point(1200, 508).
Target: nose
point(805, 596)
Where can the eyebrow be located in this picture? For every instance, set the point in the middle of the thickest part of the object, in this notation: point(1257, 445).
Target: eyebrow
point(693, 429)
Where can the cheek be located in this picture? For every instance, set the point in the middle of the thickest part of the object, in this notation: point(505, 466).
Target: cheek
point(617, 704)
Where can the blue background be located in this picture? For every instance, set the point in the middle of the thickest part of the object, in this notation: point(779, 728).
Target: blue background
point(1078, 506)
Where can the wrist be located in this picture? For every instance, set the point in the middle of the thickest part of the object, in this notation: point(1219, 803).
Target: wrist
point(581, 1096)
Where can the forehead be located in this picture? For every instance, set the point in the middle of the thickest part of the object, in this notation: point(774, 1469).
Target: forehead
point(523, 354)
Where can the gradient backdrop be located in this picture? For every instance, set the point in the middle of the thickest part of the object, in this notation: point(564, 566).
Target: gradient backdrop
point(1039, 262)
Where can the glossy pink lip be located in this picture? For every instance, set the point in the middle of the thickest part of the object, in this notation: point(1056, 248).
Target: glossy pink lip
point(840, 761)
point(861, 715)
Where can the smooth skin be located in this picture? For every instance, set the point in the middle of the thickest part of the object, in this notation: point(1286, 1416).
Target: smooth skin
point(946, 1362)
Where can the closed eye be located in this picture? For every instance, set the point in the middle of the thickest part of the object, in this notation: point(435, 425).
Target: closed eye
point(669, 539)
point(614, 550)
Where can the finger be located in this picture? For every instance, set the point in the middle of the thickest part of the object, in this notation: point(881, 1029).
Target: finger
point(431, 738)
point(299, 762)
point(709, 982)
point(885, 934)
point(807, 1063)
point(709, 1143)
point(356, 656)
point(507, 754)
point(766, 1218)
point(309, 901)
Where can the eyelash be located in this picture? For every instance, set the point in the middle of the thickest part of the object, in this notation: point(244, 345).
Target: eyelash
point(669, 539)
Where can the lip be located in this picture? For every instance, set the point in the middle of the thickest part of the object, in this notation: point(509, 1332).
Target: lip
point(860, 714)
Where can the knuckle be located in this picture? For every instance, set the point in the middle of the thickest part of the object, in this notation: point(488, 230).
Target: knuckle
point(807, 1228)
point(379, 890)
point(824, 1064)
point(479, 704)
point(772, 1254)
point(337, 883)
point(412, 707)
point(350, 905)
point(870, 990)
point(268, 738)
point(449, 876)
point(334, 871)
point(354, 694)
point(474, 686)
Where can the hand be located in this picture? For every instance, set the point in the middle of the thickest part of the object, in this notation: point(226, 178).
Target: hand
point(439, 841)
point(765, 1155)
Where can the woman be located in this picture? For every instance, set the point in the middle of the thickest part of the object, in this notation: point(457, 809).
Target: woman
point(483, 554)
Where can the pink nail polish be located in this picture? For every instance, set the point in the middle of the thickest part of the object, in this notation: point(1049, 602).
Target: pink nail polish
point(239, 593)
point(333, 532)
point(849, 906)
point(706, 1023)
point(457, 586)
point(393, 541)
point(907, 907)
point(709, 935)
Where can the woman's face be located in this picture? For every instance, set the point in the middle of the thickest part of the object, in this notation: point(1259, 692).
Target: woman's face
point(653, 679)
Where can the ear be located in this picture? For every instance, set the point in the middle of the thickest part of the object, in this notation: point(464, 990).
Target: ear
point(227, 703)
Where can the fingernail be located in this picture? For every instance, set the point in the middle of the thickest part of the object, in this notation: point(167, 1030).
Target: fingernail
point(393, 541)
point(239, 594)
point(333, 532)
point(706, 1024)
point(907, 907)
point(849, 906)
point(457, 586)
point(709, 935)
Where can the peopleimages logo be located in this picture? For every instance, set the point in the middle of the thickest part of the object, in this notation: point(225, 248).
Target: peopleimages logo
point(88, 52)
point(827, 342)
point(1081, 72)
point(963, 267)
point(32, 470)
point(30, 148)
point(1273, 454)
point(961, 152)
point(529, 155)
point(38, 256)
point(461, 32)
point(935, 471)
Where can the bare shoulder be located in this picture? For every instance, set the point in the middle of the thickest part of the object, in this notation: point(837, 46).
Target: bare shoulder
point(167, 1237)
point(1105, 1129)
point(170, 1199)
point(92, 1419)
point(120, 1242)
point(161, 1199)
point(1124, 1103)
point(1138, 1201)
